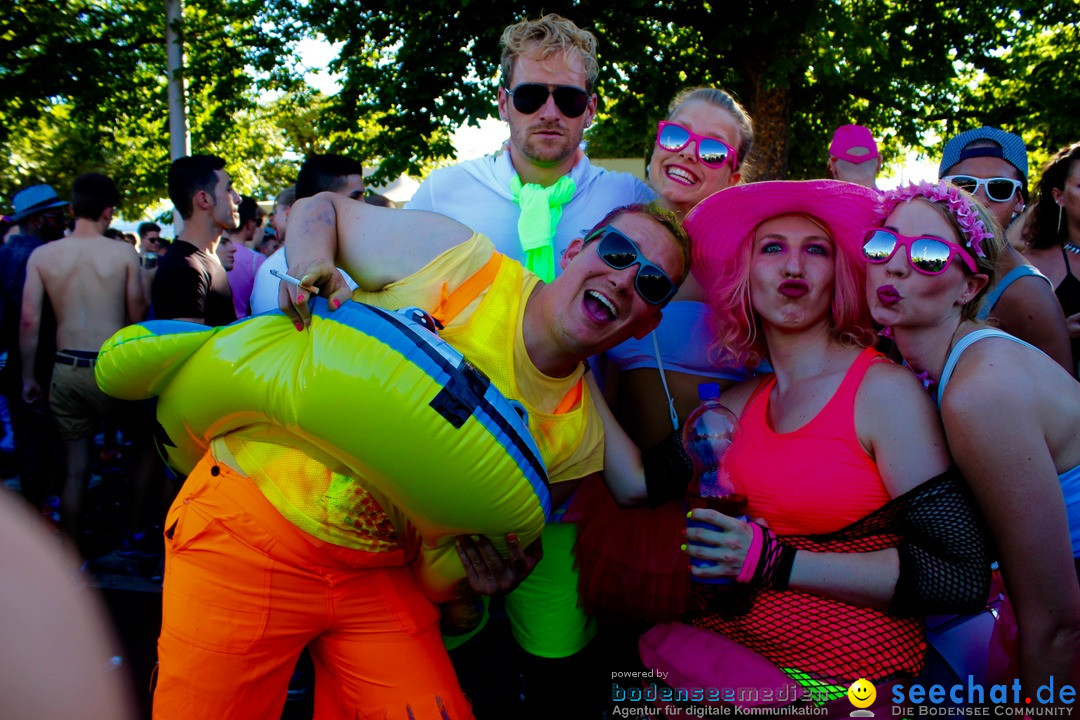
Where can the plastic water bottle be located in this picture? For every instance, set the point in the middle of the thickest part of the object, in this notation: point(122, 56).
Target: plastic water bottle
point(707, 435)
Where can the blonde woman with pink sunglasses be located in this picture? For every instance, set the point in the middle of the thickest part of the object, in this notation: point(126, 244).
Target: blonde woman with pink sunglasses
point(1010, 412)
point(700, 148)
point(651, 382)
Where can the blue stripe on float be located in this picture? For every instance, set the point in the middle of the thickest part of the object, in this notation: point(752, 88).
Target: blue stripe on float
point(174, 327)
point(505, 432)
point(493, 411)
point(179, 327)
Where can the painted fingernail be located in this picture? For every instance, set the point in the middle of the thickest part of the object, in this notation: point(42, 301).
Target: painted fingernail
point(688, 514)
point(335, 304)
point(683, 547)
point(300, 298)
point(299, 326)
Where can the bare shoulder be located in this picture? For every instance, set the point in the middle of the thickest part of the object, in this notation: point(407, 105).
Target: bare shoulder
point(1029, 299)
point(96, 247)
point(735, 398)
point(46, 251)
point(895, 388)
point(992, 374)
point(1003, 409)
point(889, 383)
point(894, 413)
point(1041, 256)
point(122, 251)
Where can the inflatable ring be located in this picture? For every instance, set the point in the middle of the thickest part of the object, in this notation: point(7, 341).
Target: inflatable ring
point(370, 393)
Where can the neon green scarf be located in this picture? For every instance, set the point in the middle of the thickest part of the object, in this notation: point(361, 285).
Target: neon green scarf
point(541, 208)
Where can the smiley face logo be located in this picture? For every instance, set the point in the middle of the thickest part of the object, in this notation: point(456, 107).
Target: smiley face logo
point(862, 693)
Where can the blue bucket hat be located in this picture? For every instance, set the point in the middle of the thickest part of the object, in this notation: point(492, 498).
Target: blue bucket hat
point(32, 200)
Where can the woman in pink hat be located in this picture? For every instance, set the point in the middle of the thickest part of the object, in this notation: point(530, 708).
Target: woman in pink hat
point(861, 527)
point(1017, 444)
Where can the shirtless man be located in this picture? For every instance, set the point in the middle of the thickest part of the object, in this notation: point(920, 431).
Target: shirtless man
point(94, 286)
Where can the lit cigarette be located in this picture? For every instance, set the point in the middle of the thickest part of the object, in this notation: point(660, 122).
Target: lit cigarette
point(293, 281)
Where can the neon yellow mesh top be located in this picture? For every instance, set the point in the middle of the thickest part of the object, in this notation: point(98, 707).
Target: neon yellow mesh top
point(344, 510)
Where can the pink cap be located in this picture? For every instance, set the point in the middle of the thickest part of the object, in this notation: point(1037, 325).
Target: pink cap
point(853, 137)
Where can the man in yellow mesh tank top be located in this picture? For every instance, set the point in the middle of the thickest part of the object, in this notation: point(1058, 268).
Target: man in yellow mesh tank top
point(531, 339)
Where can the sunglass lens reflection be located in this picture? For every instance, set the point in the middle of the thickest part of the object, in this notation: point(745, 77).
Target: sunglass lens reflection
point(571, 101)
point(712, 152)
point(673, 138)
point(651, 282)
point(997, 189)
point(968, 184)
point(929, 256)
point(617, 252)
point(879, 247)
point(529, 98)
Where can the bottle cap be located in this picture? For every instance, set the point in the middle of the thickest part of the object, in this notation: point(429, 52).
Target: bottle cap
point(708, 391)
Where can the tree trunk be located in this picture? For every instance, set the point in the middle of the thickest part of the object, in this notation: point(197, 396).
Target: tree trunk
point(771, 111)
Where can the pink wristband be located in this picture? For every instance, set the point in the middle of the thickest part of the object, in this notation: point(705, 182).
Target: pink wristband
point(753, 554)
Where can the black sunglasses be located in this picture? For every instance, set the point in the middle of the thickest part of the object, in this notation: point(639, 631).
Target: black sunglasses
point(620, 252)
point(530, 97)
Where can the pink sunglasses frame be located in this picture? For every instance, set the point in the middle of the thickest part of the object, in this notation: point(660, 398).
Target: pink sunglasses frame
point(732, 156)
point(906, 241)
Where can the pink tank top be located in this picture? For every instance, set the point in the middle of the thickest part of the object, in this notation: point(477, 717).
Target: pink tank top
point(817, 479)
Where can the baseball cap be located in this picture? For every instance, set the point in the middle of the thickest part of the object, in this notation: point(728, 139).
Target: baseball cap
point(853, 137)
point(1010, 148)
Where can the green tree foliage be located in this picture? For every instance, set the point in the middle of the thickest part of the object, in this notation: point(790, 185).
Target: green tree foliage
point(83, 87)
point(802, 67)
point(1033, 90)
point(82, 82)
point(412, 73)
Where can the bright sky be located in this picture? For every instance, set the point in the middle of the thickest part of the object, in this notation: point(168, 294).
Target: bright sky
point(470, 142)
point(316, 55)
point(473, 142)
point(913, 170)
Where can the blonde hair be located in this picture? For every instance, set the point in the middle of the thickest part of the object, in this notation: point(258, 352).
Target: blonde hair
point(667, 219)
point(550, 34)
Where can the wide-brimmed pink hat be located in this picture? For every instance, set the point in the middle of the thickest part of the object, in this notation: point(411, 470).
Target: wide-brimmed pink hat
point(720, 223)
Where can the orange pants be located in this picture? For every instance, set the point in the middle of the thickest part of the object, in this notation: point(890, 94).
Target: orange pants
point(245, 591)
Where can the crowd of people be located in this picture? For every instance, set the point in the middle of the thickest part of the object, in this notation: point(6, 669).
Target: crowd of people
point(902, 364)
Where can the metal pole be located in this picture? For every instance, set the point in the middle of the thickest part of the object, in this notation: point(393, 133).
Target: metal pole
point(179, 140)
